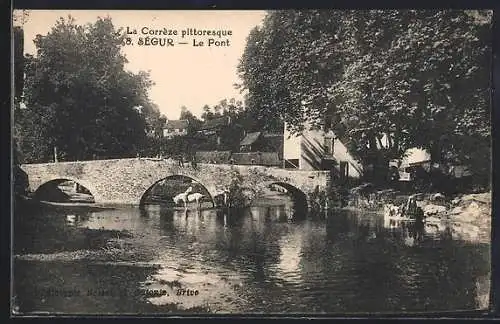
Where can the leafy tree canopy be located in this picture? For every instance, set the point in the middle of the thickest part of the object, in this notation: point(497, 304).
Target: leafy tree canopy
point(414, 77)
point(80, 98)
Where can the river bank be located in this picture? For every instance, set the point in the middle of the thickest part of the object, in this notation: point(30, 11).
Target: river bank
point(466, 216)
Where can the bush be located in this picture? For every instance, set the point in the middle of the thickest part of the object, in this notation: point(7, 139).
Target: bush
point(236, 195)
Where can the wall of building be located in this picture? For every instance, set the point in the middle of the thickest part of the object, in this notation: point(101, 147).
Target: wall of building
point(312, 150)
point(342, 154)
point(174, 132)
point(291, 146)
point(309, 150)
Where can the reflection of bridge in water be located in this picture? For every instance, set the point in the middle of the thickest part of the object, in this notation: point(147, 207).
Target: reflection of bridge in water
point(125, 181)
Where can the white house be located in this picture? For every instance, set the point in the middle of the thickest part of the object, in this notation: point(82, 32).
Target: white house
point(175, 128)
point(317, 149)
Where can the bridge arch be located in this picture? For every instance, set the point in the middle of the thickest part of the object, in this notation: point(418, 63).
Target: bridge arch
point(44, 187)
point(299, 197)
point(124, 181)
point(145, 193)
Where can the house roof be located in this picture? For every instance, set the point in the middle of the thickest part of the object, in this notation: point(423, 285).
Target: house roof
point(177, 124)
point(250, 138)
point(215, 123)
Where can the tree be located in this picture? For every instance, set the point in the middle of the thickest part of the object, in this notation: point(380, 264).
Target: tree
point(416, 77)
point(207, 113)
point(154, 119)
point(19, 17)
point(409, 76)
point(287, 66)
point(194, 122)
point(79, 97)
point(18, 35)
point(241, 121)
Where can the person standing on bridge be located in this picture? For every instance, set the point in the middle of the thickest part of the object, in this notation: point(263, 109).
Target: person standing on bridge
point(193, 162)
point(181, 160)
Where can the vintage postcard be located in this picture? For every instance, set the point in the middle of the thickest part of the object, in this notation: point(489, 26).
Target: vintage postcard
point(251, 162)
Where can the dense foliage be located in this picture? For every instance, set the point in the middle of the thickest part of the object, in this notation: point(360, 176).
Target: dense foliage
point(230, 136)
point(414, 78)
point(80, 99)
point(81, 102)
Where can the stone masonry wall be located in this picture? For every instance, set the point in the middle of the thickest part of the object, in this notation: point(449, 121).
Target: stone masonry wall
point(124, 181)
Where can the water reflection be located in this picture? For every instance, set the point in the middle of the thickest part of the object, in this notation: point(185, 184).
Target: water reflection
point(251, 260)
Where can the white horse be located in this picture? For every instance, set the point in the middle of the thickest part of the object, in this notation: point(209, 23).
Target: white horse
point(195, 197)
point(183, 197)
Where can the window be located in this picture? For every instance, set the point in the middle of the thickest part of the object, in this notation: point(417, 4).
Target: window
point(344, 169)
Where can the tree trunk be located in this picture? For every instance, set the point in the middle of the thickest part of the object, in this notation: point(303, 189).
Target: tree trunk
point(380, 162)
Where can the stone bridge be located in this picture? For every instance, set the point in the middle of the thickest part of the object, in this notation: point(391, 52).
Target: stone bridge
point(125, 181)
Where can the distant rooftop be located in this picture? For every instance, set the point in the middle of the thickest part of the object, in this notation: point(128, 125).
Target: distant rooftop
point(177, 124)
point(250, 138)
point(215, 123)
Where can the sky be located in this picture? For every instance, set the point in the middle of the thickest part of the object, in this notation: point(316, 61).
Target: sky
point(184, 75)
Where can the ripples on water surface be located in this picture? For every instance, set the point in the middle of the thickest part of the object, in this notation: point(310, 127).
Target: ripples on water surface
point(255, 261)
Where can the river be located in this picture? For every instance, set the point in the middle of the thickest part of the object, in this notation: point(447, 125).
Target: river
point(138, 261)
